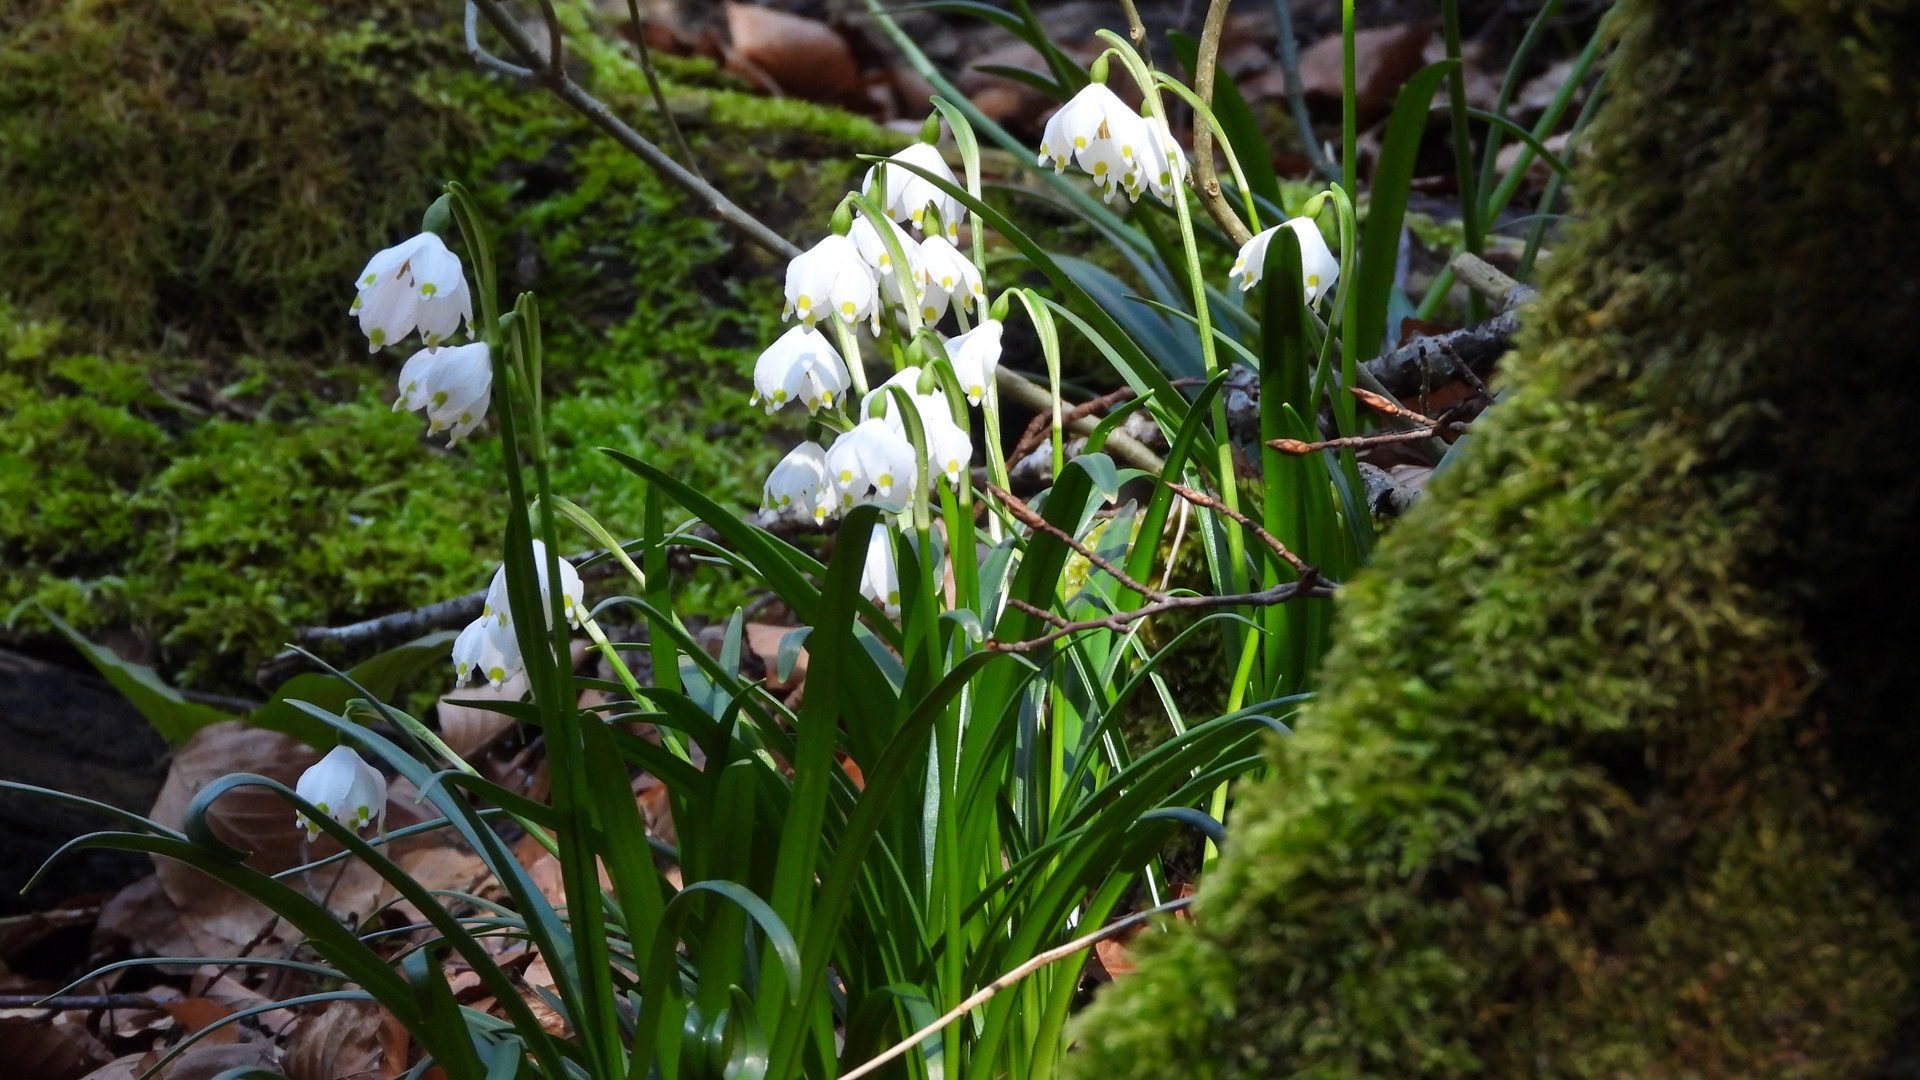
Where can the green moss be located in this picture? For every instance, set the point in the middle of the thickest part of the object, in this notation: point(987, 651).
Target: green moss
point(1574, 801)
point(194, 443)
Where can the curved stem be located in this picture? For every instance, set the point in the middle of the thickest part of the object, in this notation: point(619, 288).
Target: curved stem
point(1205, 180)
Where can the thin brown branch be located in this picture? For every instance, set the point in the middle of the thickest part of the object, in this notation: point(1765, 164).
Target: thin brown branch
point(1309, 587)
point(1026, 516)
point(1201, 498)
point(653, 84)
point(1357, 442)
point(1121, 445)
point(1206, 181)
point(556, 55)
point(1136, 30)
point(555, 80)
point(1010, 978)
point(1390, 407)
point(1042, 422)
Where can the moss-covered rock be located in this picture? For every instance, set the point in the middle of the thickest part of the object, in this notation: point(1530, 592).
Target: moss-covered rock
point(1611, 774)
point(194, 443)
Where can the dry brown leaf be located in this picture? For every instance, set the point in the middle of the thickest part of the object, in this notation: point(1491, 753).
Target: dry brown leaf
point(470, 731)
point(143, 916)
point(340, 1042)
point(805, 58)
point(197, 1013)
point(223, 986)
point(394, 1039)
point(1384, 57)
point(539, 975)
point(202, 1062)
point(120, 1068)
point(61, 1050)
point(219, 920)
point(441, 868)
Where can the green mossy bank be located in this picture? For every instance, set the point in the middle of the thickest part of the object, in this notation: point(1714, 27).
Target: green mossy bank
point(1613, 774)
point(196, 452)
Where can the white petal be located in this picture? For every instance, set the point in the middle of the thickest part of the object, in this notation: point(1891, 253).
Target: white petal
point(434, 269)
point(440, 316)
point(469, 418)
point(386, 263)
point(416, 375)
point(386, 312)
point(976, 355)
point(456, 383)
point(879, 576)
point(1251, 265)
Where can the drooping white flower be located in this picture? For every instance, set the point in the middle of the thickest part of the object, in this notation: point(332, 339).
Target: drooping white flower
point(346, 789)
point(486, 649)
point(874, 464)
point(800, 366)
point(949, 447)
point(1101, 134)
point(1163, 163)
point(1318, 267)
point(453, 385)
point(908, 195)
point(950, 272)
point(879, 577)
point(801, 479)
point(873, 249)
point(832, 278)
point(416, 283)
point(572, 592)
point(976, 355)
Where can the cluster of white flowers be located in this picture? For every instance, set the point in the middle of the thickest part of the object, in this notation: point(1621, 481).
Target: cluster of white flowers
point(419, 284)
point(488, 648)
point(1121, 149)
point(855, 277)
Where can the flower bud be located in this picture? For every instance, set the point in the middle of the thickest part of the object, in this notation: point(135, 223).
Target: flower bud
point(1098, 71)
point(439, 216)
point(930, 131)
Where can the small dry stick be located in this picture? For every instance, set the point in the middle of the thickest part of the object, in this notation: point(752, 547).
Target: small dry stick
point(1390, 407)
point(653, 84)
point(1201, 498)
point(1010, 978)
point(1309, 587)
point(1357, 442)
point(1032, 520)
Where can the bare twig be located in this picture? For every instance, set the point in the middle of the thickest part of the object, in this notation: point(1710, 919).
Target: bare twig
point(1489, 281)
point(1032, 520)
point(486, 60)
point(1136, 30)
point(1401, 371)
point(1010, 978)
point(1390, 407)
point(653, 84)
point(555, 54)
point(1036, 433)
point(1357, 442)
point(1201, 498)
point(1120, 444)
point(1205, 180)
point(1309, 587)
point(555, 79)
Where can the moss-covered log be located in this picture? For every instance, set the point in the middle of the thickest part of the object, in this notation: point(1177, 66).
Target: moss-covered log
point(1614, 773)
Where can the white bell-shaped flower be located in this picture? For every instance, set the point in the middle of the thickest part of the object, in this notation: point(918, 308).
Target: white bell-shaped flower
point(873, 248)
point(873, 464)
point(417, 283)
point(572, 592)
point(1103, 135)
point(486, 649)
point(1318, 267)
point(802, 365)
point(976, 356)
point(951, 272)
point(908, 194)
point(454, 386)
point(831, 278)
point(346, 789)
point(879, 577)
point(801, 479)
point(1163, 163)
point(949, 447)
